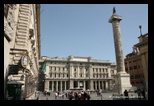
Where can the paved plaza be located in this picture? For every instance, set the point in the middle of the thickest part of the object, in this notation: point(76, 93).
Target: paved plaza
point(105, 96)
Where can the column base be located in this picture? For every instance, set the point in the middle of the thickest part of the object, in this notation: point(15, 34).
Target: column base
point(123, 82)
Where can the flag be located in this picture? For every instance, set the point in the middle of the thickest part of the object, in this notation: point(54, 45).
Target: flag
point(44, 67)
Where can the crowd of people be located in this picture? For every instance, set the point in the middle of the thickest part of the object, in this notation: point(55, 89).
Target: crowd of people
point(140, 92)
point(76, 95)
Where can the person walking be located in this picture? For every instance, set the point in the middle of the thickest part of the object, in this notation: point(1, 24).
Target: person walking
point(66, 94)
point(139, 94)
point(143, 94)
point(126, 95)
point(56, 94)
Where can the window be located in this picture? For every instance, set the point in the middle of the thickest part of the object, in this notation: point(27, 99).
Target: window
point(75, 69)
point(63, 75)
point(126, 69)
point(67, 75)
point(93, 75)
point(132, 77)
point(55, 75)
point(81, 75)
point(55, 68)
point(139, 66)
point(136, 76)
point(130, 68)
point(100, 69)
point(135, 67)
point(103, 76)
point(63, 69)
point(106, 70)
point(86, 69)
point(59, 75)
point(50, 75)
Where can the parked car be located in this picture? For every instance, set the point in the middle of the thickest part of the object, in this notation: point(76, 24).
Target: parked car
point(133, 89)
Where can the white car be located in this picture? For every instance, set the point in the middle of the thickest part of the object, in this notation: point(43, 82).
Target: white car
point(133, 89)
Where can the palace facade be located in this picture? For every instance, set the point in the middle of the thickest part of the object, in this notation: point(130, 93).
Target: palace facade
point(77, 72)
point(136, 63)
point(21, 50)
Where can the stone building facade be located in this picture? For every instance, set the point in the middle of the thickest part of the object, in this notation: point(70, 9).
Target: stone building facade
point(136, 63)
point(21, 44)
point(77, 72)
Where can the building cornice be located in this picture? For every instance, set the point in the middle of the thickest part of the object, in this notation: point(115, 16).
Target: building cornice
point(38, 27)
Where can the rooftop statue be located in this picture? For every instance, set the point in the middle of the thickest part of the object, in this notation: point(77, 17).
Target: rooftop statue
point(114, 11)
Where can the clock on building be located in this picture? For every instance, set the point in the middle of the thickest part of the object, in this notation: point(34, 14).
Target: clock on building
point(24, 61)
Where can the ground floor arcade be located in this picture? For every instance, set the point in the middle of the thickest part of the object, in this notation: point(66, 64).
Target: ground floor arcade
point(61, 85)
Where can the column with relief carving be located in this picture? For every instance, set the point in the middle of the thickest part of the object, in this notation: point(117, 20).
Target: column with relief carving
point(123, 81)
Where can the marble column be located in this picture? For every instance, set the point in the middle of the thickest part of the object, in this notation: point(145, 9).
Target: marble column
point(95, 85)
point(98, 84)
point(123, 77)
point(84, 85)
point(78, 71)
point(56, 85)
point(91, 85)
point(78, 84)
point(65, 85)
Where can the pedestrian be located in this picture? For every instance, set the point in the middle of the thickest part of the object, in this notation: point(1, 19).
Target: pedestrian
point(126, 95)
point(66, 94)
point(139, 94)
point(88, 97)
point(70, 96)
point(143, 94)
point(62, 96)
point(56, 95)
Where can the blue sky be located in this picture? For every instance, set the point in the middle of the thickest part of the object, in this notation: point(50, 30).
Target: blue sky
point(84, 30)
